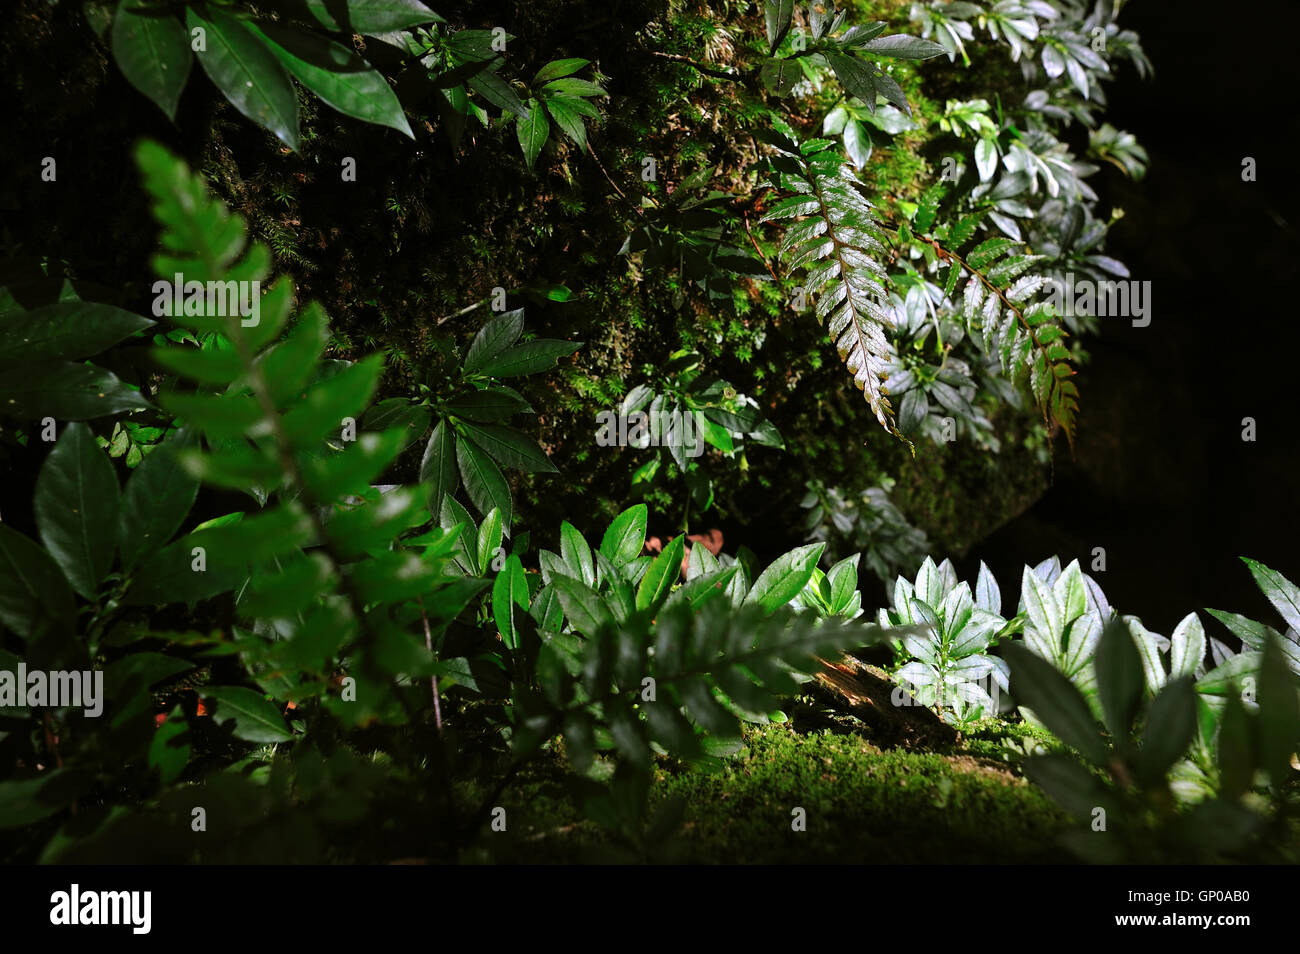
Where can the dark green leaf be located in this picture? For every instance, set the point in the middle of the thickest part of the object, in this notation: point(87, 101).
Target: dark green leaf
point(1120, 679)
point(659, 578)
point(65, 392)
point(484, 483)
point(65, 330)
point(31, 585)
point(1056, 702)
point(157, 498)
point(76, 508)
point(529, 358)
point(495, 336)
point(510, 447)
point(246, 72)
point(438, 467)
point(532, 132)
point(152, 50)
point(337, 75)
point(256, 719)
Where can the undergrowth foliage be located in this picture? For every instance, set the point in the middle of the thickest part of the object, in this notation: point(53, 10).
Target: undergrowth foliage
point(333, 648)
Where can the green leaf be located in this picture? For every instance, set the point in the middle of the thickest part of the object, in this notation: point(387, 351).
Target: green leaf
point(495, 336)
point(1170, 728)
point(568, 118)
point(65, 392)
point(1236, 757)
point(510, 589)
point(625, 537)
point(576, 553)
point(574, 88)
point(856, 76)
point(582, 605)
point(1068, 782)
point(1045, 612)
point(152, 50)
point(438, 467)
point(26, 801)
point(781, 75)
point(659, 578)
point(1281, 592)
point(1186, 646)
point(370, 16)
point(489, 539)
point(76, 508)
point(532, 132)
point(321, 412)
point(289, 365)
point(777, 15)
point(488, 406)
point(337, 75)
point(31, 585)
point(529, 358)
point(843, 581)
point(65, 330)
point(557, 68)
point(484, 483)
point(785, 578)
point(498, 92)
point(256, 719)
point(452, 514)
point(1056, 702)
point(903, 47)
point(510, 447)
point(246, 72)
point(1279, 714)
point(1120, 679)
point(158, 496)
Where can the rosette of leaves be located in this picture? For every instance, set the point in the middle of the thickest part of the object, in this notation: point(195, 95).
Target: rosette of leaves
point(833, 593)
point(470, 442)
point(1122, 788)
point(630, 661)
point(723, 419)
point(688, 233)
point(1121, 149)
point(935, 388)
point(866, 523)
point(943, 665)
point(1070, 238)
point(253, 60)
point(557, 93)
point(456, 65)
point(1064, 612)
point(850, 54)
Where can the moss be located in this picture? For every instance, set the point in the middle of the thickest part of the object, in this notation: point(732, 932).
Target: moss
point(862, 805)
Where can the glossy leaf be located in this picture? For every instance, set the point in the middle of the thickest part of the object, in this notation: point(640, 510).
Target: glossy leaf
point(76, 507)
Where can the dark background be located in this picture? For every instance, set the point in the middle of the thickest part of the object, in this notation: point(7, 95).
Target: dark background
point(1161, 476)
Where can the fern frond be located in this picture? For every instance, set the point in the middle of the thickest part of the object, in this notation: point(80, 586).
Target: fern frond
point(838, 240)
point(998, 303)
